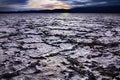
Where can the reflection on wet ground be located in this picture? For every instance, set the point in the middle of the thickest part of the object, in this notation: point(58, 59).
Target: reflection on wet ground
point(59, 46)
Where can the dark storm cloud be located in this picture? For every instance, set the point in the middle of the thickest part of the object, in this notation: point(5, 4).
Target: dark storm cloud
point(114, 2)
point(84, 3)
point(10, 5)
point(106, 0)
point(7, 2)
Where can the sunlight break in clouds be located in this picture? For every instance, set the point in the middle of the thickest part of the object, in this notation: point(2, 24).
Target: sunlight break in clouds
point(47, 4)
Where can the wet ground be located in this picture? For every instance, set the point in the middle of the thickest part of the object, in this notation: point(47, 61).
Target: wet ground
point(59, 46)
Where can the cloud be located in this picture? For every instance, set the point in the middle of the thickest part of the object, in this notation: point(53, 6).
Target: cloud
point(76, 1)
point(84, 3)
point(9, 2)
point(9, 5)
point(36, 5)
point(52, 4)
point(47, 4)
point(89, 4)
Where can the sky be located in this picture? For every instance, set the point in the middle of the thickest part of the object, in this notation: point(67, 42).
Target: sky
point(21, 5)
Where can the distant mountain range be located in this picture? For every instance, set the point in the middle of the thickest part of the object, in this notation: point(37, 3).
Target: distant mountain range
point(93, 9)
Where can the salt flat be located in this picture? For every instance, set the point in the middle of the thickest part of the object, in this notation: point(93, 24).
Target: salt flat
point(59, 46)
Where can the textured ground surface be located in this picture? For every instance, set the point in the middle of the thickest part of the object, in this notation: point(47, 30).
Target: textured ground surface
point(59, 46)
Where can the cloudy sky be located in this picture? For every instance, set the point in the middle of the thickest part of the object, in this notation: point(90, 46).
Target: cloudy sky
point(17, 5)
